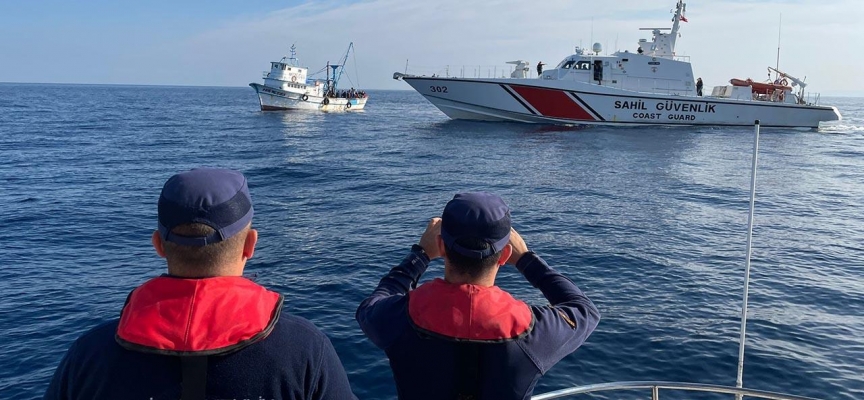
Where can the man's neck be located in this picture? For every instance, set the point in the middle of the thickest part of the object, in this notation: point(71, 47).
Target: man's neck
point(487, 280)
point(205, 273)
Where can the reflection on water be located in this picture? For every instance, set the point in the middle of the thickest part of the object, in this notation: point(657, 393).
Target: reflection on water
point(297, 122)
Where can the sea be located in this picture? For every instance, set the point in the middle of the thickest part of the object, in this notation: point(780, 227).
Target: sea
point(650, 222)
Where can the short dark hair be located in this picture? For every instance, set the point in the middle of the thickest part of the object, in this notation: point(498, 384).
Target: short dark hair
point(469, 266)
point(202, 260)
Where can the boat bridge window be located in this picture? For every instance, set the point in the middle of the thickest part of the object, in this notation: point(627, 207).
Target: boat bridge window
point(583, 65)
point(567, 64)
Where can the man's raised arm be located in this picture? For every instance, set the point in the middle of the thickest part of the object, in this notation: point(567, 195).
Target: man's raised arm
point(379, 313)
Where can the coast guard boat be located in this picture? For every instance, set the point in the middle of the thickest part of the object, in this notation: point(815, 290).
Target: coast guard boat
point(651, 86)
point(287, 87)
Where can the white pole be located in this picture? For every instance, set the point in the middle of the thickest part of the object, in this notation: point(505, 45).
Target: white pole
point(739, 383)
point(779, 27)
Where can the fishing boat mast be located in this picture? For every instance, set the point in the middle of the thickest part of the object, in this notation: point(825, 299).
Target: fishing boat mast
point(334, 71)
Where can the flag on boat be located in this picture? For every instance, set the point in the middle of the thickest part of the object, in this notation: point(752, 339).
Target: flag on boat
point(683, 19)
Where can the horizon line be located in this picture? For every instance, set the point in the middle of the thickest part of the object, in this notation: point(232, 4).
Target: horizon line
point(146, 85)
point(166, 85)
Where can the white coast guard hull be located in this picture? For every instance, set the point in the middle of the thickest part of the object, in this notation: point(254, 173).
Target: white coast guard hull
point(272, 99)
point(579, 103)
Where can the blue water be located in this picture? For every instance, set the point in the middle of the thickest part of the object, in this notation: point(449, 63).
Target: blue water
point(650, 222)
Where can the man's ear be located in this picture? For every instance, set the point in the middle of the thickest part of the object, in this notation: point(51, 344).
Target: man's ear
point(249, 244)
point(156, 239)
point(505, 254)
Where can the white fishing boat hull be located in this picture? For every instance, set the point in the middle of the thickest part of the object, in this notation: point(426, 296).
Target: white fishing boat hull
point(272, 99)
point(580, 103)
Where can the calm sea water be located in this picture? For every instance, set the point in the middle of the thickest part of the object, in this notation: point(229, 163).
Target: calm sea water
point(650, 222)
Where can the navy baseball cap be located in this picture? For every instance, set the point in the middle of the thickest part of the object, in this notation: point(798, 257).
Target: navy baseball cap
point(478, 215)
point(218, 198)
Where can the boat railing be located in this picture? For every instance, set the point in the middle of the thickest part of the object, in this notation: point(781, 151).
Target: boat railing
point(645, 85)
point(681, 58)
point(466, 71)
point(651, 85)
point(815, 96)
point(656, 386)
point(779, 97)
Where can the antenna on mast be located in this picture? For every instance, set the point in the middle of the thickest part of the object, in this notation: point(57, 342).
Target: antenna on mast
point(293, 59)
point(779, 27)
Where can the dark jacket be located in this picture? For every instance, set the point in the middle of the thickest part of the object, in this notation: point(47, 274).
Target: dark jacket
point(445, 340)
point(253, 348)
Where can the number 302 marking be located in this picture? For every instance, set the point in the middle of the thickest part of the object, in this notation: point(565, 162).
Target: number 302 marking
point(438, 89)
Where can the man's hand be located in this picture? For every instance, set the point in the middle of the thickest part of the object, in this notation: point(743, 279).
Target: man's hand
point(519, 247)
point(429, 240)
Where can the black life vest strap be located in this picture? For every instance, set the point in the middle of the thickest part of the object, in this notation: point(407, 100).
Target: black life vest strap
point(194, 379)
point(467, 371)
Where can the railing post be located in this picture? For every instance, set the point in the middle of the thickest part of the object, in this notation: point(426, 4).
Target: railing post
point(655, 393)
point(739, 382)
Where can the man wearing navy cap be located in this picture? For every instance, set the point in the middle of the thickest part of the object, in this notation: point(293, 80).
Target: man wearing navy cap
point(462, 337)
point(202, 330)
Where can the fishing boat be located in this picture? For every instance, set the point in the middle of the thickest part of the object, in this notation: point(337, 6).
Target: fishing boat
point(650, 86)
point(288, 86)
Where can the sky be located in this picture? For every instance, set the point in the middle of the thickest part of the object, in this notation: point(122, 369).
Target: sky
point(230, 43)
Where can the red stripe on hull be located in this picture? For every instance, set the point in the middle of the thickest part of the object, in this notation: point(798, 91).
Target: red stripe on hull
point(553, 103)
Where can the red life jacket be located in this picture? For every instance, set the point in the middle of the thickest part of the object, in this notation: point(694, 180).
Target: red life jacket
point(177, 316)
point(468, 311)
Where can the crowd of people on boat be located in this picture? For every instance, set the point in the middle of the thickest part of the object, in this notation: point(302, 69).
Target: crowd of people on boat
point(347, 94)
point(202, 330)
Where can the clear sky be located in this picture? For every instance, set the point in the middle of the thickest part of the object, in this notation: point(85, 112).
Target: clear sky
point(229, 43)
